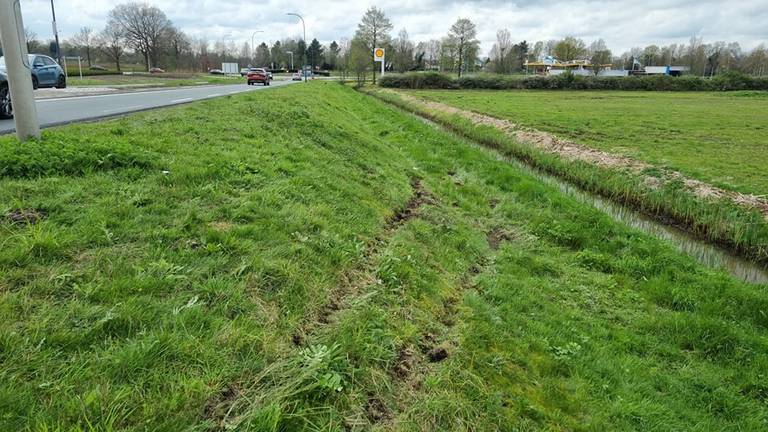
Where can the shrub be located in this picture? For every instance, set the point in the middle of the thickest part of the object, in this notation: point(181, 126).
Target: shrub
point(432, 80)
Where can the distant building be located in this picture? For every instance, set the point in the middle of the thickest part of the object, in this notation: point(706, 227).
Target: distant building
point(552, 66)
point(613, 73)
point(666, 70)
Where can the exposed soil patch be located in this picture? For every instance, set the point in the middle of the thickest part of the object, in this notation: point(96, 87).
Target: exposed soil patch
point(217, 407)
point(25, 216)
point(406, 363)
point(376, 410)
point(572, 151)
point(437, 354)
point(411, 208)
point(498, 235)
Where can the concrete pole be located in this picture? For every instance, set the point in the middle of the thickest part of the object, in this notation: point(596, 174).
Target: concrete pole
point(18, 67)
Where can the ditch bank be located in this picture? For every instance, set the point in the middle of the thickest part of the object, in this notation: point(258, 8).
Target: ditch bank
point(718, 228)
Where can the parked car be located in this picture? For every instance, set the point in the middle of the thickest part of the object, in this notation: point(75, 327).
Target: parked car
point(156, 70)
point(45, 71)
point(98, 68)
point(244, 71)
point(6, 110)
point(257, 75)
point(216, 72)
point(296, 77)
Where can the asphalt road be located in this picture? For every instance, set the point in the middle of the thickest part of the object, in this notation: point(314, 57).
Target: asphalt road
point(58, 111)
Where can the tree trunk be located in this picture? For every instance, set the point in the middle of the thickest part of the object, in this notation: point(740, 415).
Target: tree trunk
point(460, 57)
point(146, 59)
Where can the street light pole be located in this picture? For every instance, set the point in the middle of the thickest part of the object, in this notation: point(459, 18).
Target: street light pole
point(303, 26)
point(253, 48)
point(18, 70)
point(56, 33)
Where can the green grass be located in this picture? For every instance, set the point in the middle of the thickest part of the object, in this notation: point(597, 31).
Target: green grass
point(158, 80)
point(719, 220)
point(169, 295)
point(719, 138)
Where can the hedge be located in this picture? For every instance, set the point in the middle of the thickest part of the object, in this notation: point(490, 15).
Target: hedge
point(433, 80)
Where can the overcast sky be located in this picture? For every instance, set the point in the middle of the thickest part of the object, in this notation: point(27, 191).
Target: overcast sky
point(623, 24)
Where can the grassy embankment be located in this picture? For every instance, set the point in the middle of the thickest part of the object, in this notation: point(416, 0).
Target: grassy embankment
point(726, 152)
point(344, 265)
point(155, 80)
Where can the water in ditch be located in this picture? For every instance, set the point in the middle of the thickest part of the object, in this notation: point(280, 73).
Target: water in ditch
point(706, 253)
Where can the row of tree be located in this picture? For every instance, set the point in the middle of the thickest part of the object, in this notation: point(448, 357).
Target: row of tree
point(137, 33)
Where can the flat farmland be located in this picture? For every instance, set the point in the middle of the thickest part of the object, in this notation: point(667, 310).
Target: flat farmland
point(719, 138)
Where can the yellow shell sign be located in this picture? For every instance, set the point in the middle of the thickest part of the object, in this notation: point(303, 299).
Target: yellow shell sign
point(378, 54)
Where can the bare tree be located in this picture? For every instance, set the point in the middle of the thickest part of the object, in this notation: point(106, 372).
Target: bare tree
point(402, 52)
point(112, 43)
point(372, 31)
point(84, 39)
point(463, 35)
point(144, 27)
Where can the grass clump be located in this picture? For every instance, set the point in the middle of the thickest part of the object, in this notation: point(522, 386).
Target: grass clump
point(58, 155)
point(345, 266)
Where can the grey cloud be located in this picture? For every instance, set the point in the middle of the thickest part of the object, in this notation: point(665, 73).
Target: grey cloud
point(622, 24)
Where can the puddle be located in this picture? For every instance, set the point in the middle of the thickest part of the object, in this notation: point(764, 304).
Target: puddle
point(708, 254)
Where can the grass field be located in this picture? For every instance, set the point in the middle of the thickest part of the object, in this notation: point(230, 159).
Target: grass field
point(344, 267)
point(157, 80)
point(720, 138)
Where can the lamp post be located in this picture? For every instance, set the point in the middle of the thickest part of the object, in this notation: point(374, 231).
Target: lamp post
point(253, 48)
point(290, 53)
point(56, 33)
point(304, 27)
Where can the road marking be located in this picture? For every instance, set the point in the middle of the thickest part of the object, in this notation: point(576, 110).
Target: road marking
point(181, 100)
point(122, 109)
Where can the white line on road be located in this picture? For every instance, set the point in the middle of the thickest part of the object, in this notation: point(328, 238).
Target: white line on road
point(215, 95)
point(181, 100)
point(123, 109)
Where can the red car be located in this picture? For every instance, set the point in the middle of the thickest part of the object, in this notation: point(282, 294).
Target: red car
point(257, 75)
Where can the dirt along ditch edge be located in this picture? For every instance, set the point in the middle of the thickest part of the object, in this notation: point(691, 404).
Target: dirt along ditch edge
point(569, 152)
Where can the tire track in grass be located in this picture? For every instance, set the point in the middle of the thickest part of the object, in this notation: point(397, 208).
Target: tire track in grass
point(415, 363)
point(221, 407)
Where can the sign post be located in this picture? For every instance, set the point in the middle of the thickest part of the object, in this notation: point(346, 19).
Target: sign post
point(378, 55)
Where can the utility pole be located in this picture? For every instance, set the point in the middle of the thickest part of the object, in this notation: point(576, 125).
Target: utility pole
point(306, 46)
point(18, 67)
point(56, 33)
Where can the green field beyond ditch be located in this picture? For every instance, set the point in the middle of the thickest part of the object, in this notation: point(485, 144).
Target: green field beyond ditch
point(720, 138)
point(343, 266)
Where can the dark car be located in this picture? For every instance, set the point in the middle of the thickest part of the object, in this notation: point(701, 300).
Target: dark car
point(258, 75)
point(6, 111)
point(45, 71)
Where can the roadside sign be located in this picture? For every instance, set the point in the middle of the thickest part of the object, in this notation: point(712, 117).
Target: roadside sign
point(378, 54)
point(230, 68)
